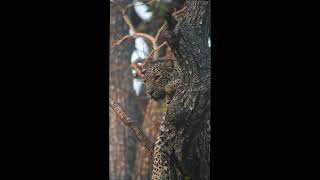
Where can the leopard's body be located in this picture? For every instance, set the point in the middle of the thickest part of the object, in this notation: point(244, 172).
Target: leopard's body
point(162, 80)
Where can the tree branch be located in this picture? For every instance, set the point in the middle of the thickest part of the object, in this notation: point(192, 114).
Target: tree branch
point(148, 37)
point(152, 52)
point(128, 121)
point(137, 69)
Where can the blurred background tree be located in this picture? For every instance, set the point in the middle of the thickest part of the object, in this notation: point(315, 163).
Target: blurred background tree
point(122, 145)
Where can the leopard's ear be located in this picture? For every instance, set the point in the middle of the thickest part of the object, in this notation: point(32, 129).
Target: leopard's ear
point(143, 71)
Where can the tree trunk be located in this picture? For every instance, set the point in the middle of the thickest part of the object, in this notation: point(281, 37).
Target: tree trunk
point(186, 127)
point(122, 146)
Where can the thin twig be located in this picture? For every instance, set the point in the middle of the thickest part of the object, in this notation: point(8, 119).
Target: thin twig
point(150, 38)
point(128, 121)
point(128, 22)
point(137, 69)
point(158, 33)
point(117, 43)
point(127, 7)
point(153, 51)
point(179, 11)
point(145, 36)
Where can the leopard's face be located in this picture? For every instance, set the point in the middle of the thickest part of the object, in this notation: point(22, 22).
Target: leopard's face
point(156, 78)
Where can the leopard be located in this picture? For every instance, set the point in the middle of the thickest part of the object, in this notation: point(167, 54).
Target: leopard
point(162, 80)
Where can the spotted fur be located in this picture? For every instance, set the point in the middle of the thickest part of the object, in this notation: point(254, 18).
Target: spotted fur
point(161, 80)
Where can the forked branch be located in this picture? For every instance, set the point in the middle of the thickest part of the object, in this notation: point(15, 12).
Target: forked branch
point(154, 54)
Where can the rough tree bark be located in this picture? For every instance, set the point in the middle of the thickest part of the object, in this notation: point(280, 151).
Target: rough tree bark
point(122, 145)
point(187, 120)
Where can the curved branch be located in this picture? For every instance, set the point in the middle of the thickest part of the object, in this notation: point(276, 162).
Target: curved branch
point(128, 121)
point(152, 52)
point(148, 37)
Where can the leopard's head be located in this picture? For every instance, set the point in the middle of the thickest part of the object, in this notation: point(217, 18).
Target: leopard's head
point(156, 77)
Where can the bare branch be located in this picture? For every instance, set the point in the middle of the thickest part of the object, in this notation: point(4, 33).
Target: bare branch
point(116, 43)
point(128, 121)
point(128, 22)
point(127, 7)
point(137, 69)
point(158, 33)
point(145, 36)
point(153, 51)
point(150, 38)
point(179, 11)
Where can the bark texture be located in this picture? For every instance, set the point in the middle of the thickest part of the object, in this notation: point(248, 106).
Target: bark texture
point(186, 126)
